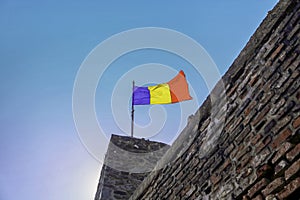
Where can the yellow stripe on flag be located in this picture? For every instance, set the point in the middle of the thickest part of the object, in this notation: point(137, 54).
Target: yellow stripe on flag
point(160, 94)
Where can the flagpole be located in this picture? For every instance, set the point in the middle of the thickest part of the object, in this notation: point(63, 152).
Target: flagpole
point(132, 110)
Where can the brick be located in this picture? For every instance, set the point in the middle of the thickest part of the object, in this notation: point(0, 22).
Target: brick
point(289, 189)
point(286, 109)
point(245, 160)
point(280, 167)
point(258, 187)
point(222, 139)
point(238, 150)
point(295, 152)
point(242, 135)
point(178, 189)
point(281, 123)
point(234, 125)
point(262, 144)
point(283, 135)
point(274, 186)
point(244, 92)
point(229, 149)
point(232, 90)
point(293, 88)
point(247, 180)
point(282, 151)
point(248, 138)
point(278, 49)
point(282, 80)
point(272, 79)
point(255, 139)
point(296, 122)
point(218, 161)
point(231, 108)
point(204, 124)
point(269, 126)
point(249, 108)
point(260, 158)
point(225, 165)
point(179, 175)
point(249, 117)
point(254, 79)
point(194, 162)
point(292, 33)
point(292, 170)
point(257, 88)
point(269, 71)
point(191, 191)
point(260, 116)
point(277, 106)
point(262, 107)
point(242, 152)
point(289, 61)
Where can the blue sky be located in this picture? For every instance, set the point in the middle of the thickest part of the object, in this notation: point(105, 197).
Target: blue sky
point(42, 46)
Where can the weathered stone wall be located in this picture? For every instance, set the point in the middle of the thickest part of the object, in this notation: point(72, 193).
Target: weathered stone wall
point(243, 143)
point(127, 162)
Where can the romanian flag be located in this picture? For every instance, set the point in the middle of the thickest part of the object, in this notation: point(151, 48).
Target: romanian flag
point(174, 91)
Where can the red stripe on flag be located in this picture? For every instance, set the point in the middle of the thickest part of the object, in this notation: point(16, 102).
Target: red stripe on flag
point(179, 88)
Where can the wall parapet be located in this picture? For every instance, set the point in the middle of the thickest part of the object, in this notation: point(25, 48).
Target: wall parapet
point(127, 162)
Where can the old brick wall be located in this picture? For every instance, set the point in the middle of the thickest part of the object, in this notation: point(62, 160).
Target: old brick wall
point(254, 152)
point(127, 162)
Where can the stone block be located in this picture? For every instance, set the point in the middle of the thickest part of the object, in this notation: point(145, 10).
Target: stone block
point(280, 167)
point(274, 186)
point(283, 135)
point(296, 123)
point(269, 126)
point(285, 147)
point(260, 116)
point(229, 149)
point(245, 160)
point(262, 144)
point(294, 153)
point(258, 187)
point(255, 139)
point(261, 158)
point(289, 189)
point(292, 170)
point(242, 135)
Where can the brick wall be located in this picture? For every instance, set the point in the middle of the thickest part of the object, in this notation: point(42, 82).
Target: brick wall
point(250, 148)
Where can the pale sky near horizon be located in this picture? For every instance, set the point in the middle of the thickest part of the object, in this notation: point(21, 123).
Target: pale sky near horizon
point(43, 45)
